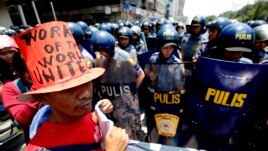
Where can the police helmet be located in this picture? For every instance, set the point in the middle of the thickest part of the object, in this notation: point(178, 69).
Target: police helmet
point(146, 24)
point(114, 28)
point(180, 24)
point(167, 26)
point(236, 37)
point(175, 23)
point(90, 31)
point(250, 22)
point(77, 32)
point(166, 36)
point(83, 25)
point(85, 28)
point(136, 30)
point(97, 25)
point(219, 23)
point(257, 23)
point(124, 32)
point(261, 32)
point(138, 23)
point(103, 40)
point(199, 21)
point(105, 27)
point(161, 22)
point(121, 25)
point(128, 24)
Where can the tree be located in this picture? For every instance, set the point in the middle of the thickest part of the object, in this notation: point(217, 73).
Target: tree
point(258, 10)
point(210, 18)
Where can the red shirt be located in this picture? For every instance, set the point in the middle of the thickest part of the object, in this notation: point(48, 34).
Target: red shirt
point(51, 135)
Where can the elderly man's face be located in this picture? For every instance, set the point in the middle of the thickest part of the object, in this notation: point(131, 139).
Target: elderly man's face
point(71, 104)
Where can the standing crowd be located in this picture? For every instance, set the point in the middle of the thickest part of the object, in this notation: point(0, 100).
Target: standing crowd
point(50, 85)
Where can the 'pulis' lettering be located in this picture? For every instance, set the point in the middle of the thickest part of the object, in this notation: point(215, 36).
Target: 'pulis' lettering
point(225, 98)
point(167, 98)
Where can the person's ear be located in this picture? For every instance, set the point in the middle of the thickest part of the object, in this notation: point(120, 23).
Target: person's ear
point(42, 98)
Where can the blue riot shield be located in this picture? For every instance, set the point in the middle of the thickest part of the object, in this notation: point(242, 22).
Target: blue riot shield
point(224, 98)
point(164, 113)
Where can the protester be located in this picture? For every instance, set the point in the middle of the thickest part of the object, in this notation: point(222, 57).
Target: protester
point(64, 84)
point(8, 47)
point(22, 112)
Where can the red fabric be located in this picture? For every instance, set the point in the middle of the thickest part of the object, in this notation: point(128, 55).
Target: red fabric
point(49, 135)
point(22, 112)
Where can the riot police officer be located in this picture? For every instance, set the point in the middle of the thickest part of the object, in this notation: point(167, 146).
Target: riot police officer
point(79, 37)
point(124, 41)
point(259, 50)
point(87, 34)
point(190, 45)
point(209, 48)
point(119, 83)
point(165, 74)
point(137, 40)
point(234, 40)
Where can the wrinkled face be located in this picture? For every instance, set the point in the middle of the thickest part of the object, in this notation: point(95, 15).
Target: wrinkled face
point(167, 51)
point(232, 55)
point(212, 34)
point(124, 41)
point(7, 54)
point(71, 103)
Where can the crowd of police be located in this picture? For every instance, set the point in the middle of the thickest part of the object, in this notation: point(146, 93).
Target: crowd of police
point(138, 57)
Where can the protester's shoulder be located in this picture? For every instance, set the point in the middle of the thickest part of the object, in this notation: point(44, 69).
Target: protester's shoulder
point(9, 84)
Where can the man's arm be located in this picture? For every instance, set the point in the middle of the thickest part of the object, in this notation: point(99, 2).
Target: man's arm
point(22, 112)
point(139, 78)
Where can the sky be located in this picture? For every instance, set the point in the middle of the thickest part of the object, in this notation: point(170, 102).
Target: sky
point(212, 7)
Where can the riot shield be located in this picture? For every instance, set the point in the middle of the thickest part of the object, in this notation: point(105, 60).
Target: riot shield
point(118, 85)
point(164, 112)
point(222, 98)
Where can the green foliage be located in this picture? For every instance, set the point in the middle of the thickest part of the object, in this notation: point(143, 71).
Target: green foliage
point(258, 10)
point(210, 18)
